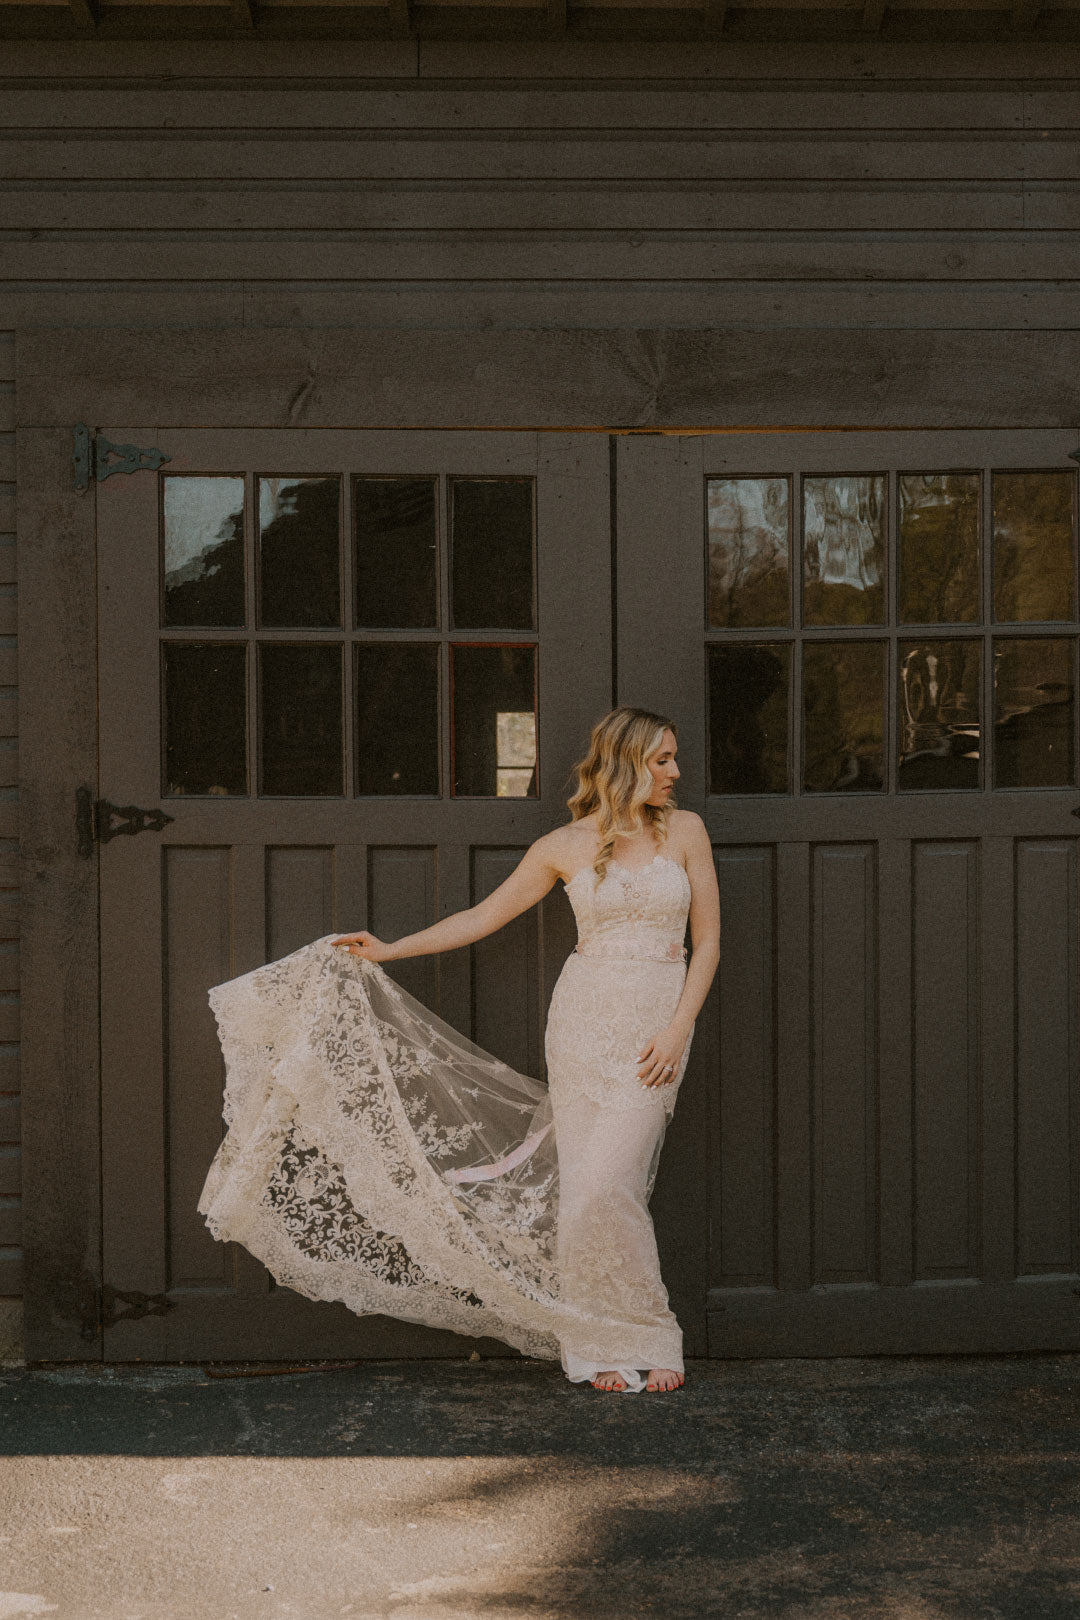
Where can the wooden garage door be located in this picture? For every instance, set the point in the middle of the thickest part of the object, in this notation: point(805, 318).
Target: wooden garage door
point(870, 643)
point(352, 670)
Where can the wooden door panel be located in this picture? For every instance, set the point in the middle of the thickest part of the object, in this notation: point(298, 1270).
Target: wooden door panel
point(844, 997)
point(232, 881)
point(741, 1168)
point(884, 1089)
point(1047, 1122)
point(945, 1058)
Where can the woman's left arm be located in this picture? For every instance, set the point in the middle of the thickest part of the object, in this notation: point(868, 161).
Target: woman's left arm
point(667, 1047)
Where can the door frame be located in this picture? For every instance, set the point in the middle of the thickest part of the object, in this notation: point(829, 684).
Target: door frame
point(611, 381)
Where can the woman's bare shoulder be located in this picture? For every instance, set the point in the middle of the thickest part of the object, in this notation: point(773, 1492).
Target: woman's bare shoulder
point(567, 847)
point(686, 830)
point(685, 821)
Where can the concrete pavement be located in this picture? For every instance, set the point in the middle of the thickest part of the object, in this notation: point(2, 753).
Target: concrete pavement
point(916, 1489)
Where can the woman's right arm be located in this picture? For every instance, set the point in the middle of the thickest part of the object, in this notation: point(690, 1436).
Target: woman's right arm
point(530, 880)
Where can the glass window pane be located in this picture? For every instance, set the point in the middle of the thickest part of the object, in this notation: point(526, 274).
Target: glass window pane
point(844, 549)
point(299, 570)
point(843, 706)
point(939, 548)
point(300, 717)
point(494, 721)
point(749, 551)
point(205, 727)
point(1033, 545)
point(203, 551)
point(396, 553)
point(492, 553)
point(939, 714)
point(397, 717)
point(1034, 692)
point(748, 717)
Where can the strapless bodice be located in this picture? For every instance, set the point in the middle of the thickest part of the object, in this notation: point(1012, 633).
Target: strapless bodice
point(634, 914)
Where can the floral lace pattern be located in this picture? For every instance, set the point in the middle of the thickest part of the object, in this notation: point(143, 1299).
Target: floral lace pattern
point(375, 1156)
point(622, 984)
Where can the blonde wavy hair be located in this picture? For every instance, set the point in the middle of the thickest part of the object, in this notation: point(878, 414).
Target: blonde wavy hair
point(614, 779)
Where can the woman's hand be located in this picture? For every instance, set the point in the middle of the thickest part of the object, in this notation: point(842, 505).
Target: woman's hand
point(661, 1057)
point(364, 945)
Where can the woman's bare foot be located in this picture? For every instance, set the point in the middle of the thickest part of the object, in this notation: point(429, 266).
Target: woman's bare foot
point(663, 1378)
point(608, 1380)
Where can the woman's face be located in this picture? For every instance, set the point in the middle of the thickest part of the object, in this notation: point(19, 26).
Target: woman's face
point(665, 772)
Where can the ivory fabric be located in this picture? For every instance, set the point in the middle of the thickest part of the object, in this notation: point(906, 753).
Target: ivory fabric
point(376, 1156)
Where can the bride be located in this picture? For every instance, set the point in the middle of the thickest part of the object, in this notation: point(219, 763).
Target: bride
point(376, 1156)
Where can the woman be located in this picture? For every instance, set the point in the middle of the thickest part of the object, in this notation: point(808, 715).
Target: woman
point(378, 1157)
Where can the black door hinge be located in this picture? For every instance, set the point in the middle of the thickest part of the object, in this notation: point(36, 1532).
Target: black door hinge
point(98, 820)
point(92, 453)
point(128, 1305)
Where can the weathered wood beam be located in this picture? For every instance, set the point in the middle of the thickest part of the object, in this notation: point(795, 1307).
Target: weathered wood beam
point(1024, 14)
point(401, 17)
point(873, 15)
point(85, 15)
point(715, 16)
point(558, 16)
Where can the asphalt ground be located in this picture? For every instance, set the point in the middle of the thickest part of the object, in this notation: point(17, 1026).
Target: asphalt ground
point(912, 1489)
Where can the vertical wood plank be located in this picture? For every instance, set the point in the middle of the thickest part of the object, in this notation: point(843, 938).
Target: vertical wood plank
point(743, 1081)
point(299, 897)
point(793, 1088)
point(997, 960)
point(197, 926)
point(401, 900)
point(946, 1058)
point(661, 618)
point(661, 666)
point(58, 904)
point(896, 1252)
point(506, 977)
point(1047, 1081)
point(844, 990)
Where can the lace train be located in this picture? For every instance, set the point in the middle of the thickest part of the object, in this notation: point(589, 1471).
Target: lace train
point(376, 1156)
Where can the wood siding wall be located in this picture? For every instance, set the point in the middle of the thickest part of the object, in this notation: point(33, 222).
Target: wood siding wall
point(10, 1179)
point(873, 192)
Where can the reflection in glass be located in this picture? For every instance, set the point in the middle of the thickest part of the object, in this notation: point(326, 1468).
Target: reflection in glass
point(843, 709)
point(939, 714)
point(299, 573)
point(748, 551)
point(1034, 688)
point(515, 753)
point(203, 551)
point(1033, 544)
point(494, 721)
point(300, 717)
point(396, 556)
point(205, 727)
point(939, 548)
point(492, 553)
point(843, 549)
point(397, 717)
point(748, 717)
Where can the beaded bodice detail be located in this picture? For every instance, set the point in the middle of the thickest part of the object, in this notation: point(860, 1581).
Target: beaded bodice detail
point(633, 913)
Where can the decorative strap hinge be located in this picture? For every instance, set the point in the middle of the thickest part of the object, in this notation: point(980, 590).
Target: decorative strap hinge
point(98, 820)
point(93, 453)
point(127, 1305)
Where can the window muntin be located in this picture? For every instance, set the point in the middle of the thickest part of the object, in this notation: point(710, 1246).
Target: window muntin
point(809, 703)
point(282, 696)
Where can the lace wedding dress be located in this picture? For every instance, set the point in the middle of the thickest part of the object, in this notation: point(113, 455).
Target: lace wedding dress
point(374, 1155)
